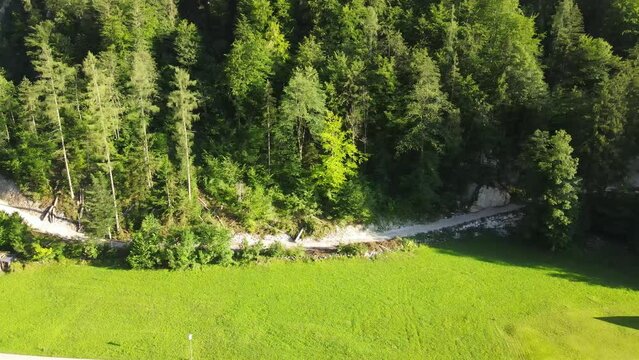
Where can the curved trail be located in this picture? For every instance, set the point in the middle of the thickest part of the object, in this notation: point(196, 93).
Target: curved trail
point(361, 234)
point(12, 201)
point(62, 228)
point(349, 234)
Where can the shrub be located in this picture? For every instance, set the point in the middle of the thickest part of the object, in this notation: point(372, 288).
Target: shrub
point(257, 208)
point(352, 249)
point(180, 250)
point(15, 235)
point(145, 245)
point(220, 178)
point(40, 253)
point(297, 252)
point(248, 253)
point(408, 245)
point(58, 247)
point(90, 250)
point(214, 244)
point(278, 250)
point(354, 202)
point(4, 243)
point(275, 250)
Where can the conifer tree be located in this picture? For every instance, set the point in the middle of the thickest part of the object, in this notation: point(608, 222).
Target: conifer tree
point(142, 93)
point(432, 121)
point(99, 220)
point(29, 94)
point(302, 110)
point(103, 112)
point(183, 102)
point(187, 44)
point(54, 76)
point(7, 99)
point(552, 186)
point(270, 117)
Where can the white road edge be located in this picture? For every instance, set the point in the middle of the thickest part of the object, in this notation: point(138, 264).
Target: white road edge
point(29, 357)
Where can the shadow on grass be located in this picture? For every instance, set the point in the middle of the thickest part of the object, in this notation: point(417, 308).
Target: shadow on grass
point(111, 263)
point(613, 267)
point(625, 321)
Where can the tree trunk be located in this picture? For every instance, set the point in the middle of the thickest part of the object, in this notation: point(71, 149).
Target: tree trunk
point(33, 125)
point(147, 159)
point(188, 159)
point(48, 214)
point(268, 133)
point(145, 146)
point(300, 139)
point(115, 201)
point(64, 149)
point(105, 139)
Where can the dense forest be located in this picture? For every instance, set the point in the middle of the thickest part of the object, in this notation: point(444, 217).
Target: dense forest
point(276, 115)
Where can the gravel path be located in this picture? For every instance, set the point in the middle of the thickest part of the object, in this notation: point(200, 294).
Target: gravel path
point(348, 234)
point(13, 202)
point(357, 234)
point(61, 228)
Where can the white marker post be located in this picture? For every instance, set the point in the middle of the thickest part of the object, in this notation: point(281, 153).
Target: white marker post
point(191, 346)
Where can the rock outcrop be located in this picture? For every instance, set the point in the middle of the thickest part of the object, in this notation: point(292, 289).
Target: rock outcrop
point(488, 197)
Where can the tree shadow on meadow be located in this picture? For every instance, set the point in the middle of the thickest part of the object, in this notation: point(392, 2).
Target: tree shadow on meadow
point(631, 322)
point(613, 266)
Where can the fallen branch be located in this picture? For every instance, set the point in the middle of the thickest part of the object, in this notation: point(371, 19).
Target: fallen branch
point(203, 203)
point(48, 213)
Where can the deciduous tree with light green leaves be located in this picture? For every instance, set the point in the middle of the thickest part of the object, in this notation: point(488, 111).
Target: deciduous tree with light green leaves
point(339, 158)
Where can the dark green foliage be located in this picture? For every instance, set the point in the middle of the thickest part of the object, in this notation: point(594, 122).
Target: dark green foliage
point(278, 250)
point(238, 192)
point(248, 253)
point(99, 219)
point(552, 186)
point(181, 248)
point(213, 244)
point(84, 250)
point(276, 115)
point(179, 251)
point(14, 234)
point(352, 249)
point(145, 245)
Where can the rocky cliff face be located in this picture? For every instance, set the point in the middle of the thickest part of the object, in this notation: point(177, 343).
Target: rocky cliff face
point(10, 194)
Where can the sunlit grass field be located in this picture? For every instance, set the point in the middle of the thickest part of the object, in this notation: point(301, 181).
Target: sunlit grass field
point(478, 297)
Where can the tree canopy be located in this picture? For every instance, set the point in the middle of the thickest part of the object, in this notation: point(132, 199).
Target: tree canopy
point(277, 115)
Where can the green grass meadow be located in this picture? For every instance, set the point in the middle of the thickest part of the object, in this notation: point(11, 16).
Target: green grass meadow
point(479, 297)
